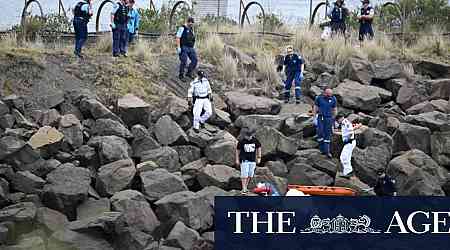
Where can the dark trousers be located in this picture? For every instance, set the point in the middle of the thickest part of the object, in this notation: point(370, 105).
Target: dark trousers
point(120, 39)
point(290, 77)
point(365, 30)
point(81, 33)
point(338, 27)
point(324, 130)
point(131, 37)
point(187, 52)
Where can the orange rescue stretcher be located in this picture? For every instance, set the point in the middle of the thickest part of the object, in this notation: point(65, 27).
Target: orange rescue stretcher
point(324, 190)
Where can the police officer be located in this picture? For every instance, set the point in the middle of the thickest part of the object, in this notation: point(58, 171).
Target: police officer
point(119, 26)
point(385, 184)
point(185, 39)
point(365, 18)
point(294, 66)
point(82, 13)
point(325, 108)
point(200, 95)
point(338, 13)
point(348, 138)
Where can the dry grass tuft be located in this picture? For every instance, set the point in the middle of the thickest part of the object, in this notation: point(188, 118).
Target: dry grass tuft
point(212, 48)
point(229, 69)
point(266, 66)
point(8, 41)
point(434, 45)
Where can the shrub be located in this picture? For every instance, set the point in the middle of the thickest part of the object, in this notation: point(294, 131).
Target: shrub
point(229, 69)
point(212, 48)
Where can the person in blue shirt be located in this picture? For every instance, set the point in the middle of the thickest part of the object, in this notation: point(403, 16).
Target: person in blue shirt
point(82, 13)
point(294, 66)
point(119, 22)
point(185, 40)
point(338, 14)
point(133, 22)
point(365, 18)
point(325, 106)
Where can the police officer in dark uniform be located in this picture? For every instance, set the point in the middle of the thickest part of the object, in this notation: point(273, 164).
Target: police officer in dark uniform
point(82, 13)
point(119, 25)
point(185, 39)
point(365, 18)
point(294, 66)
point(325, 108)
point(385, 185)
point(338, 14)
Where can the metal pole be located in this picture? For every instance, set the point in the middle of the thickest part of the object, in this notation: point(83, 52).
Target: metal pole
point(310, 10)
point(218, 13)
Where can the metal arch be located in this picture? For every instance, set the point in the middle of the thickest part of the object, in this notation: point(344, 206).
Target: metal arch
point(174, 9)
point(398, 10)
point(97, 20)
point(24, 11)
point(316, 9)
point(244, 14)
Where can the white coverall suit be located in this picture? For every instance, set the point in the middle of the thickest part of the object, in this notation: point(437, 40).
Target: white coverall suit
point(348, 137)
point(200, 90)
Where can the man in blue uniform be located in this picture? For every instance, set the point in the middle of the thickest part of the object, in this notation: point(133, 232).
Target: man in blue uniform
point(82, 13)
point(185, 39)
point(294, 66)
point(119, 26)
point(365, 18)
point(325, 108)
point(385, 184)
point(338, 13)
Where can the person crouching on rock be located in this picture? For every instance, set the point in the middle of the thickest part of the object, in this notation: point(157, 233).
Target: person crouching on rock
point(248, 154)
point(200, 95)
point(82, 13)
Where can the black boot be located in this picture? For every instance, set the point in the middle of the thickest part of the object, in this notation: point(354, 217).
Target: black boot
point(181, 76)
point(189, 74)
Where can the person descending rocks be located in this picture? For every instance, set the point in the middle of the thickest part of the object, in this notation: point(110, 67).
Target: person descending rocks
point(82, 13)
point(348, 138)
point(119, 26)
point(325, 108)
point(248, 155)
point(294, 67)
point(185, 39)
point(200, 96)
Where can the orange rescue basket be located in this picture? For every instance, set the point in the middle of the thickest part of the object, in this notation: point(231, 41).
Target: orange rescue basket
point(324, 190)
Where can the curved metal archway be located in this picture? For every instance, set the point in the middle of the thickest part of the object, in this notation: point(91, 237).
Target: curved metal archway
point(24, 11)
point(174, 9)
point(397, 9)
point(244, 14)
point(97, 20)
point(316, 9)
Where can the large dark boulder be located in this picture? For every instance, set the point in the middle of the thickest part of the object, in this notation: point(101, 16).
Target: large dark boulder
point(164, 157)
point(304, 174)
point(417, 174)
point(210, 192)
point(240, 103)
point(301, 123)
point(274, 143)
point(181, 236)
point(222, 151)
point(366, 162)
point(110, 148)
point(388, 69)
point(10, 145)
point(136, 209)
point(409, 136)
point(114, 177)
point(440, 148)
point(435, 121)
point(92, 208)
point(218, 175)
point(354, 95)
point(51, 220)
point(186, 206)
point(188, 153)
point(105, 127)
point(174, 106)
point(67, 239)
point(168, 132)
point(66, 188)
point(93, 108)
point(71, 127)
point(133, 110)
point(273, 121)
point(158, 183)
point(412, 93)
point(26, 182)
point(433, 69)
point(358, 70)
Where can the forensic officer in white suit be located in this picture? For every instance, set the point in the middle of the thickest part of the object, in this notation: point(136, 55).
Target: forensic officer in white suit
point(200, 95)
point(348, 138)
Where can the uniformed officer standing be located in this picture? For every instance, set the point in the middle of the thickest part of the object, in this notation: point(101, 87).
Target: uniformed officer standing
point(294, 66)
point(185, 39)
point(365, 18)
point(200, 95)
point(82, 13)
point(348, 138)
point(119, 26)
point(338, 14)
point(325, 108)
